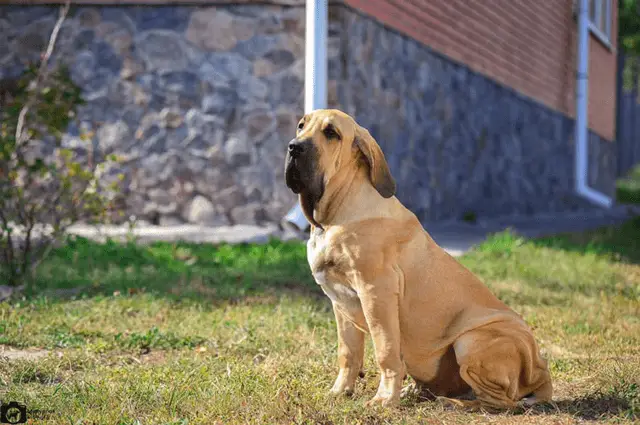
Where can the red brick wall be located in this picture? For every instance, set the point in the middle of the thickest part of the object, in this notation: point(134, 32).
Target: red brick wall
point(524, 44)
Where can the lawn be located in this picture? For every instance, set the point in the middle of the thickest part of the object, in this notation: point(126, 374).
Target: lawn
point(206, 334)
point(628, 188)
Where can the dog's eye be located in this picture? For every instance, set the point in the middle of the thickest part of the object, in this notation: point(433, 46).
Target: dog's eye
point(300, 125)
point(330, 133)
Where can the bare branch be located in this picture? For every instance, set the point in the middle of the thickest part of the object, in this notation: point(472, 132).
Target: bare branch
point(64, 10)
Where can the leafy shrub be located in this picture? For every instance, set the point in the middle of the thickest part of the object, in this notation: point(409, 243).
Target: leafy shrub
point(44, 187)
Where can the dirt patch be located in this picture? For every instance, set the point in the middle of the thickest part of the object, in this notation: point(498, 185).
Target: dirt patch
point(17, 354)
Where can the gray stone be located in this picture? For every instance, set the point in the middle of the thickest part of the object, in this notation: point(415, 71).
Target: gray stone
point(111, 135)
point(201, 211)
point(293, 21)
point(211, 180)
point(258, 46)
point(117, 18)
point(98, 86)
point(281, 59)
point(286, 123)
point(88, 17)
point(184, 84)
point(275, 211)
point(170, 221)
point(83, 67)
point(230, 197)
point(237, 151)
point(130, 68)
point(251, 213)
point(287, 90)
point(123, 93)
point(196, 119)
point(74, 143)
point(251, 89)
point(197, 145)
point(176, 137)
point(33, 39)
point(220, 103)
point(230, 66)
point(215, 29)
point(160, 196)
point(256, 181)
point(259, 125)
point(272, 155)
point(172, 118)
point(154, 140)
point(167, 209)
point(106, 58)
point(263, 68)
point(121, 41)
point(204, 130)
point(214, 77)
point(175, 18)
point(160, 202)
point(162, 50)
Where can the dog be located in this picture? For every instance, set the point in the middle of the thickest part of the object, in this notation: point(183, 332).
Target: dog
point(428, 316)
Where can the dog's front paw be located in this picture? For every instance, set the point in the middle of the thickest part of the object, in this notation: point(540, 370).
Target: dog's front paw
point(346, 382)
point(378, 400)
point(341, 388)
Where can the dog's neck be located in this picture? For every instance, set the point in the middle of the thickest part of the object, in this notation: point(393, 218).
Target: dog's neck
point(347, 187)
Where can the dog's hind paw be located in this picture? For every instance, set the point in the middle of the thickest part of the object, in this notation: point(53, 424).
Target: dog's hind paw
point(528, 402)
point(453, 403)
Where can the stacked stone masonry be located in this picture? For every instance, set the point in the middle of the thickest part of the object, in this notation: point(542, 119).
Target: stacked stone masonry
point(200, 102)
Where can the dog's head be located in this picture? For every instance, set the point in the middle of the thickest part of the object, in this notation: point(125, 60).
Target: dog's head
point(326, 141)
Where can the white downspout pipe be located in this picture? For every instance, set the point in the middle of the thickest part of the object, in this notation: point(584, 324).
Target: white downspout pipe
point(581, 129)
point(315, 77)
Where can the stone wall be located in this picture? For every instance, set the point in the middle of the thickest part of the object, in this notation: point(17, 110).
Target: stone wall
point(200, 101)
point(456, 141)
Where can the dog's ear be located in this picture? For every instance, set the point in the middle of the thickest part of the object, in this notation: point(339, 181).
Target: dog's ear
point(379, 172)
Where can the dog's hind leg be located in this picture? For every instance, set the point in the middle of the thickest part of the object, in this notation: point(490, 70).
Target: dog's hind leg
point(503, 367)
point(437, 375)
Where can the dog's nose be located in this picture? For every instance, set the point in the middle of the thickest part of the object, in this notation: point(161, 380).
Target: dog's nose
point(296, 147)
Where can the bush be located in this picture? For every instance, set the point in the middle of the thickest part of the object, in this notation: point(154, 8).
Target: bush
point(44, 187)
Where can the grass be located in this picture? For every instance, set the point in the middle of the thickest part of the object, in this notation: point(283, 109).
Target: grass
point(201, 334)
point(628, 188)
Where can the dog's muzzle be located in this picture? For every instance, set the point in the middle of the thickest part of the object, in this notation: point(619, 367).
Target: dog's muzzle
point(297, 164)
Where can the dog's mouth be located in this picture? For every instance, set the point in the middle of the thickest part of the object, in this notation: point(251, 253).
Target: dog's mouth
point(292, 176)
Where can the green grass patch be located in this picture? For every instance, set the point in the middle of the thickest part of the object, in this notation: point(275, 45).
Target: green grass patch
point(201, 334)
point(628, 188)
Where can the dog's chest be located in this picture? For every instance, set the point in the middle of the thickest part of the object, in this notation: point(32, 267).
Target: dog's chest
point(326, 274)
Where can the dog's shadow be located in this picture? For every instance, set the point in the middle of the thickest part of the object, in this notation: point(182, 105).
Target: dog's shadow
point(591, 407)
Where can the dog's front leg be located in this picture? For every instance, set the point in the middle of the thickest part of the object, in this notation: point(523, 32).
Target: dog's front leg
point(381, 311)
point(350, 354)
